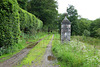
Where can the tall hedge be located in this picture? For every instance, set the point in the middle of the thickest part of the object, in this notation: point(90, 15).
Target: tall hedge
point(9, 22)
point(13, 19)
point(28, 22)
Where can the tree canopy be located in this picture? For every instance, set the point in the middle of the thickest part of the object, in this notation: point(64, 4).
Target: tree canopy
point(83, 24)
point(95, 28)
point(23, 4)
point(72, 16)
point(46, 10)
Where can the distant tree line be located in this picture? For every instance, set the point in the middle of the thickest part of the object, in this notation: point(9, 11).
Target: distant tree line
point(45, 10)
point(81, 26)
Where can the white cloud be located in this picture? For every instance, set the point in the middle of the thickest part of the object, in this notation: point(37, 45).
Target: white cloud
point(86, 8)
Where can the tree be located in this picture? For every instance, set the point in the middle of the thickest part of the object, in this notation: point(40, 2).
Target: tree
point(98, 32)
point(86, 33)
point(23, 4)
point(83, 24)
point(59, 20)
point(46, 10)
point(94, 27)
point(73, 17)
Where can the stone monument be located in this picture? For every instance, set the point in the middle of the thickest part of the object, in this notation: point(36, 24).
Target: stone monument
point(65, 30)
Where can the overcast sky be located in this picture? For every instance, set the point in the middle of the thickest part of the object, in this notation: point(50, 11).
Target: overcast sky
point(86, 8)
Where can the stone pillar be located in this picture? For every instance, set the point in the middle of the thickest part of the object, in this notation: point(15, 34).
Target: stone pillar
point(65, 30)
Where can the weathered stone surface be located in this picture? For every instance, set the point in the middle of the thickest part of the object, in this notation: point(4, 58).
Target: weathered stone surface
point(65, 30)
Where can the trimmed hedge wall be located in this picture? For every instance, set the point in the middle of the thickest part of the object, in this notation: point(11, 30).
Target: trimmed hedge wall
point(9, 22)
point(28, 22)
point(13, 19)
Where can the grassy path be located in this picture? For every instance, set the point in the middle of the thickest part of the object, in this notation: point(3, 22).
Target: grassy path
point(16, 58)
point(48, 60)
point(25, 40)
point(35, 55)
point(38, 56)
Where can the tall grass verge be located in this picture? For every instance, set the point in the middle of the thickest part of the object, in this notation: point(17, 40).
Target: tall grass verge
point(89, 40)
point(76, 54)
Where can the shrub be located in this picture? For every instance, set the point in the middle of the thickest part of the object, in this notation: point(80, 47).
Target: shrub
point(98, 32)
point(86, 33)
point(9, 22)
point(13, 19)
point(28, 22)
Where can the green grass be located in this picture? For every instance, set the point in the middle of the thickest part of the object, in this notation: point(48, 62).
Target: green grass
point(8, 52)
point(35, 54)
point(56, 36)
point(76, 54)
point(11, 50)
point(89, 40)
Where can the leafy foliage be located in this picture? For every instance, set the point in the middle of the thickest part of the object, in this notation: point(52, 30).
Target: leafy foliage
point(86, 33)
point(44, 9)
point(95, 25)
point(59, 20)
point(83, 24)
point(29, 23)
point(23, 4)
point(73, 16)
point(9, 22)
point(12, 19)
point(98, 32)
point(77, 25)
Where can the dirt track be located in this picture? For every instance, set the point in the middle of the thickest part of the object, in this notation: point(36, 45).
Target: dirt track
point(48, 59)
point(18, 57)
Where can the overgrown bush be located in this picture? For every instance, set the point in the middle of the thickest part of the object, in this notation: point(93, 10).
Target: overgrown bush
point(98, 32)
point(28, 22)
point(12, 20)
point(23, 4)
point(94, 28)
point(86, 33)
point(9, 22)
